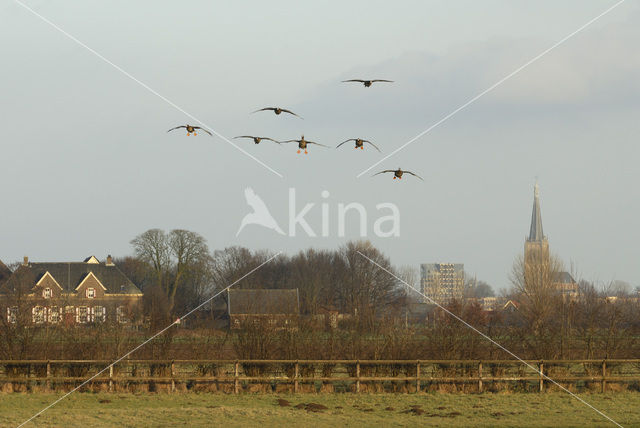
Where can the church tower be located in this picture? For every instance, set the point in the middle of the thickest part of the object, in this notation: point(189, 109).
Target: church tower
point(536, 246)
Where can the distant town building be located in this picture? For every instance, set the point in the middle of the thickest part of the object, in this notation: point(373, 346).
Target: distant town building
point(536, 246)
point(69, 293)
point(537, 262)
point(442, 282)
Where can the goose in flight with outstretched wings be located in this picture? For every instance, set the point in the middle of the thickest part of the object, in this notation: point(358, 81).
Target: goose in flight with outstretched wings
point(302, 144)
point(367, 83)
point(359, 143)
point(397, 173)
point(190, 129)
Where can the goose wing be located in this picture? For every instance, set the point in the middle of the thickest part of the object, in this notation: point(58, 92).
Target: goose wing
point(177, 127)
point(290, 112)
point(382, 172)
point(381, 80)
point(354, 80)
point(367, 141)
point(198, 127)
point(269, 139)
point(244, 136)
point(415, 175)
point(263, 109)
point(346, 141)
point(317, 144)
point(289, 141)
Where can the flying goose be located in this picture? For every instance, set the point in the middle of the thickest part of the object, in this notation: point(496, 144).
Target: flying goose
point(190, 129)
point(397, 173)
point(257, 139)
point(367, 83)
point(302, 144)
point(359, 143)
point(277, 110)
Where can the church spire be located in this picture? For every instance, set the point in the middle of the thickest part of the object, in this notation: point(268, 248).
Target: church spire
point(535, 233)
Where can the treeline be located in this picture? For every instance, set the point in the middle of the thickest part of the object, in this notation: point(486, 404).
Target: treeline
point(177, 272)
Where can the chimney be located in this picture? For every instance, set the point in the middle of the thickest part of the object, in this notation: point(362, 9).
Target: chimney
point(25, 261)
point(109, 261)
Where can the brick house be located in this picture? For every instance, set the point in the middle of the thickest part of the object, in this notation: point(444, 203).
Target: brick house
point(69, 293)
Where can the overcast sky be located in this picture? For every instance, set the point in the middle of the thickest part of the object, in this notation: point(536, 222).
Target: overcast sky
point(87, 164)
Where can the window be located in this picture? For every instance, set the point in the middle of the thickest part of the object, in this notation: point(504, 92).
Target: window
point(12, 314)
point(91, 293)
point(54, 314)
point(98, 314)
point(82, 314)
point(121, 314)
point(38, 314)
point(69, 314)
point(47, 293)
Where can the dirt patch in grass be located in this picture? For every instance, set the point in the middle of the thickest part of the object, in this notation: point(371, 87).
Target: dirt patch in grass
point(389, 409)
point(283, 403)
point(104, 401)
point(315, 407)
point(311, 407)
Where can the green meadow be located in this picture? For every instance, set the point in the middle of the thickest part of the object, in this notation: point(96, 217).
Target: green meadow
point(321, 410)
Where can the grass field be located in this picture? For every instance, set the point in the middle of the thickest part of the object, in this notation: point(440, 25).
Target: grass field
point(374, 410)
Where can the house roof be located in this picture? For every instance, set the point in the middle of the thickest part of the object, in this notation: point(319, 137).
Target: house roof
point(263, 302)
point(70, 275)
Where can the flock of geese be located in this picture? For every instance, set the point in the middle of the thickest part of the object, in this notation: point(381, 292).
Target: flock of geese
point(302, 142)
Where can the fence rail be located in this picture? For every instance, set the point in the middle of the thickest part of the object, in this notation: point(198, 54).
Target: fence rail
point(235, 376)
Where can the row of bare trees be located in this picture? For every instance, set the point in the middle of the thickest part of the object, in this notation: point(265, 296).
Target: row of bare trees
point(177, 272)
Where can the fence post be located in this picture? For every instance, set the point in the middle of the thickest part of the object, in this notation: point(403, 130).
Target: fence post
point(604, 373)
point(236, 386)
point(418, 376)
point(541, 376)
point(173, 374)
point(111, 378)
point(295, 375)
point(48, 374)
point(357, 375)
point(479, 376)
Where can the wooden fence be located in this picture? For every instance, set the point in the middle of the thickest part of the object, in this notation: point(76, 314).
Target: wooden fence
point(235, 376)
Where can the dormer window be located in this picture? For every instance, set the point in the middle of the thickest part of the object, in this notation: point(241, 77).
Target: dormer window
point(47, 293)
point(91, 293)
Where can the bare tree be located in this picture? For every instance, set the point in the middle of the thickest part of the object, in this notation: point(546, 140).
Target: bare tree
point(366, 290)
point(535, 282)
point(174, 258)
